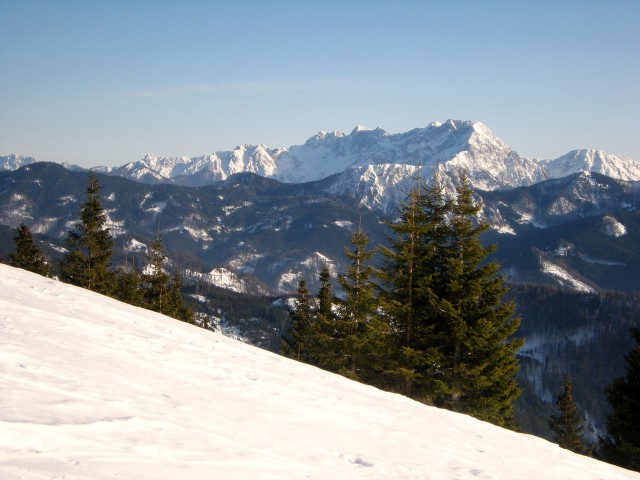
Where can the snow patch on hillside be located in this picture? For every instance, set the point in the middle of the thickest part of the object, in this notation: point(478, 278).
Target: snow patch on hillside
point(612, 227)
point(564, 277)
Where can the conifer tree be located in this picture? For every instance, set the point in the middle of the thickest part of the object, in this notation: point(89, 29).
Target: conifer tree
point(27, 254)
point(622, 447)
point(479, 350)
point(164, 292)
point(87, 264)
point(157, 280)
point(567, 423)
point(408, 298)
point(129, 286)
point(298, 342)
point(323, 339)
point(361, 332)
point(177, 307)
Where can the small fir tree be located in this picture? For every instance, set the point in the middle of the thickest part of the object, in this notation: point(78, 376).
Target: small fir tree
point(157, 280)
point(324, 334)
point(163, 292)
point(87, 263)
point(361, 332)
point(622, 447)
point(297, 343)
point(129, 286)
point(567, 423)
point(27, 254)
point(177, 307)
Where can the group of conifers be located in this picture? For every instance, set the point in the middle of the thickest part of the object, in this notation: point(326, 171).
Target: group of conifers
point(87, 263)
point(428, 321)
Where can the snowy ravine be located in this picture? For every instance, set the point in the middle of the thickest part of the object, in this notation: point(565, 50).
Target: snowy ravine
point(91, 388)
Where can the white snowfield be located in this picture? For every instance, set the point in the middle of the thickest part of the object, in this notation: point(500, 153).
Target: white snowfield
point(91, 388)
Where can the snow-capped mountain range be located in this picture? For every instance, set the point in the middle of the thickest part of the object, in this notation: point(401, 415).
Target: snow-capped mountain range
point(375, 163)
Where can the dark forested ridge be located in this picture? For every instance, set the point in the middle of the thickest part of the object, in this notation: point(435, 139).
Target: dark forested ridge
point(570, 333)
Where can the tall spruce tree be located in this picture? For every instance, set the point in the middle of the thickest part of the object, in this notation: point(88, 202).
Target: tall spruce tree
point(567, 423)
point(28, 255)
point(362, 334)
point(408, 298)
point(622, 447)
point(479, 350)
point(87, 263)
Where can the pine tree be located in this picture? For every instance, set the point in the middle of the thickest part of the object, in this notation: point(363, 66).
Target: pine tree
point(157, 296)
point(27, 254)
point(177, 307)
point(164, 292)
point(408, 300)
point(297, 343)
point(323, 339)
point(87, 264)
point(623, 424)
point(477, 330)
point(567, 423)
point(129, 286)
point(361, 333)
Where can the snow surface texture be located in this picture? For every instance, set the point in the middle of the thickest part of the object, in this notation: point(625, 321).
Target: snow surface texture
point(91, 388)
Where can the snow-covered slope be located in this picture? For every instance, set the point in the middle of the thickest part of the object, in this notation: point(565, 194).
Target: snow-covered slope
point(91, 388)
point(597, 161)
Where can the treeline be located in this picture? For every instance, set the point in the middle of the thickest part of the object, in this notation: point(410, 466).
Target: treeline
point(87, 263)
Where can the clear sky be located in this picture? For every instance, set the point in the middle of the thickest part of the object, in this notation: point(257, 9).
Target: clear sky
point(105, 82)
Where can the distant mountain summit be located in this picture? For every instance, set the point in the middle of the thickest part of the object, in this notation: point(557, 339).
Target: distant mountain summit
point(14, 162)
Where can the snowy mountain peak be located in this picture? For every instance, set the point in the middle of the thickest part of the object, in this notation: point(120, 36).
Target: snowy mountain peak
point(588, 160)
point(360, 128)
point(13, 162)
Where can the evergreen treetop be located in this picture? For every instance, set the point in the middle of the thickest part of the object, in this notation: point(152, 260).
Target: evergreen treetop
point(28, 255)
point(567, 423)
point(87, 264)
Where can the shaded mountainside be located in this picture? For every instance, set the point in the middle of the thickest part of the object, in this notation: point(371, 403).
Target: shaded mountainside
point(580, 232)
point(249, 224)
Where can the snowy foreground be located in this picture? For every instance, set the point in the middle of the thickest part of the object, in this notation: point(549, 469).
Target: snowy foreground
point(91, 388)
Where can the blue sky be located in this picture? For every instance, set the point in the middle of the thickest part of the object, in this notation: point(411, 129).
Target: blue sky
point(105, 82)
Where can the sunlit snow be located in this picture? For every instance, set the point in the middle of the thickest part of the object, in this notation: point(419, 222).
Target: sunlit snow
point(564, 277)
point(91, 388)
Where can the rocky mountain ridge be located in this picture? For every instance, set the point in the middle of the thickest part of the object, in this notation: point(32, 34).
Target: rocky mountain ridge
point(376, 163)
